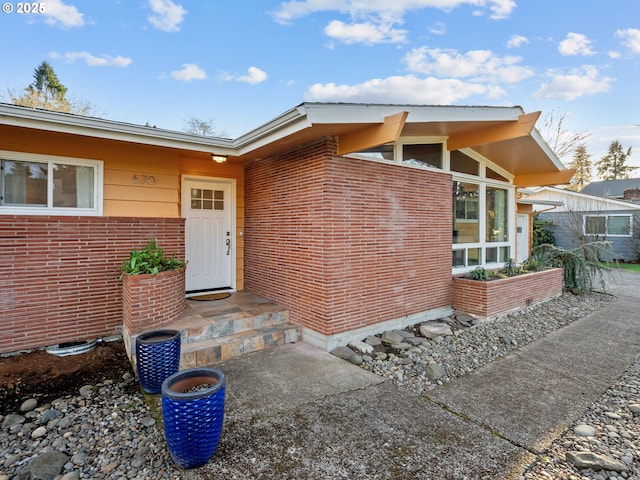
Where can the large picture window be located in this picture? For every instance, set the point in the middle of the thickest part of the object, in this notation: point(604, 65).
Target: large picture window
point(607, 225)
point(43, 184)
point(481, 225)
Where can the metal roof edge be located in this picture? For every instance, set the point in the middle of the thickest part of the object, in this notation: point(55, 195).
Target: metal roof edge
point(612, 201)
point(110, 129)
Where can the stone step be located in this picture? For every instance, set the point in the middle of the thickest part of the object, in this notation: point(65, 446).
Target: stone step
point(195, 327)
point(209, 351)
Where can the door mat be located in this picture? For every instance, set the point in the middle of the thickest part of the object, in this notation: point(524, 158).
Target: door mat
point(210, 296)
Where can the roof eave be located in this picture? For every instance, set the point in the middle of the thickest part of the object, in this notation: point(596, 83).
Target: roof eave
point(112, 130)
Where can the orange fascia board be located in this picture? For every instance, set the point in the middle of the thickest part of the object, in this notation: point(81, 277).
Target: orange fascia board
point(562, 177)
point(520, 128)
point(374, 135)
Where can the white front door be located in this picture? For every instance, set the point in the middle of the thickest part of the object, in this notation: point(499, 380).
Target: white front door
point(522, 239)
point(207, 207)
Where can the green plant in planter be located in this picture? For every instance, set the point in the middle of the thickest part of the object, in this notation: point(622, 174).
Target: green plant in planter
point(150, 260)
point(479, 273)
point(511, 268)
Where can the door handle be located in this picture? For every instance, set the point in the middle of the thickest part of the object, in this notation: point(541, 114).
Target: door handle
point(228, 242)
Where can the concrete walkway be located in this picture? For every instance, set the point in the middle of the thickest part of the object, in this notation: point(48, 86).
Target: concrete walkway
point(298, 412)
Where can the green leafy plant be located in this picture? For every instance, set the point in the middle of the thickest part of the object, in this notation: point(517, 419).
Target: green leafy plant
point(511, 268)
point(581, 266)
point(150, 260)
point(536, 262)
point(479, 273)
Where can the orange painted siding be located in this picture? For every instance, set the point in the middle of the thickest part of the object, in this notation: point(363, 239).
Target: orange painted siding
point(139, 180)
point(347, 243)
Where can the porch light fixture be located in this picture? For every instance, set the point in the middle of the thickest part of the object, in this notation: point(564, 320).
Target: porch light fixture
point(218, 158)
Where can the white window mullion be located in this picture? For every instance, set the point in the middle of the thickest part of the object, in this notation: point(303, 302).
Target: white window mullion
point(50, 185)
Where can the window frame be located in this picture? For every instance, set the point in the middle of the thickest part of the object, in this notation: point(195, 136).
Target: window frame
point(49, 209)
point(606, 217)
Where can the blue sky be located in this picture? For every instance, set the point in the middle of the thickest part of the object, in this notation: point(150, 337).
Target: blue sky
point(241, 63)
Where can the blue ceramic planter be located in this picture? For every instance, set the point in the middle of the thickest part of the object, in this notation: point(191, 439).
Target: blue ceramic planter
point(157, 357)
point(192, 413)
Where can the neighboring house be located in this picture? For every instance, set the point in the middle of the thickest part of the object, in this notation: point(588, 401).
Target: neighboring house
point(353, 216)
point(624, 189)
point(580, 218)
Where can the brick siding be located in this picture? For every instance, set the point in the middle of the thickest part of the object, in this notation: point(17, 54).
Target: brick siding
point(59, 276)
point(493, 298)
point(347, 243)
point(151, 301)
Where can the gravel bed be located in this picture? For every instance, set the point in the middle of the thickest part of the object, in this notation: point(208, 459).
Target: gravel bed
point(473, 346)
point(107, 431)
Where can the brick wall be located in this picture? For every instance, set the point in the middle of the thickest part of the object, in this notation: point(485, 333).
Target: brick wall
point(347, 243)
point(151, 301)
point(60, 279)
point(497, 297)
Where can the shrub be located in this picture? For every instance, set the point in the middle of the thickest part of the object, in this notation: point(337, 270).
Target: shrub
point(581, 266)
point(150, 260)
point(478, 273)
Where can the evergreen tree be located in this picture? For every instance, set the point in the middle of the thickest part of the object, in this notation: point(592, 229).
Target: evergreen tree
point(613, 165)
point(48, 93)
point(582, 163)
point(46, 81)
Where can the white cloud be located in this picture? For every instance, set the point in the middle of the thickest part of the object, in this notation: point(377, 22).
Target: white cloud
point(189, 72)
point(401, 89)
point(478, 65)
point(294, 9)
point(585, 80)
point(630, 38)
point(94, 61)
point(517, 41)
point(368, 33)
point(374, 21)
point(61, 15)
point(575, 44)
point(254, 76)
point(167, 15)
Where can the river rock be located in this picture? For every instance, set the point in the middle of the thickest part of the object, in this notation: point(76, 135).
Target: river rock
point(584, 430)
point(435, 329)
point(595, 461)
point(29, 405)
point(46, 466)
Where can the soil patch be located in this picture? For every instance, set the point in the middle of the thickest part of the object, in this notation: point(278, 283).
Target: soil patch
point(44, 376)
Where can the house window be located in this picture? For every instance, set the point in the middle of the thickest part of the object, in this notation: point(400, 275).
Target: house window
point(423, 154)
point(463, 163)
point(481, 225)
point(497, 215)
point(466, 223)
point(39, 184)
point(607, 225)
point(205, 199)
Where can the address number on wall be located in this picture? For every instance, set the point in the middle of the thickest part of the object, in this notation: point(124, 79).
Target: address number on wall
point(143, 179)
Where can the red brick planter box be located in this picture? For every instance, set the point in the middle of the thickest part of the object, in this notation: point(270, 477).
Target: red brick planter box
point(492, 298)
point(152, 301)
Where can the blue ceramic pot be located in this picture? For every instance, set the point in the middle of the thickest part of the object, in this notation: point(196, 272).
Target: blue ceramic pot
point(157, 357)
point(192, 413)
